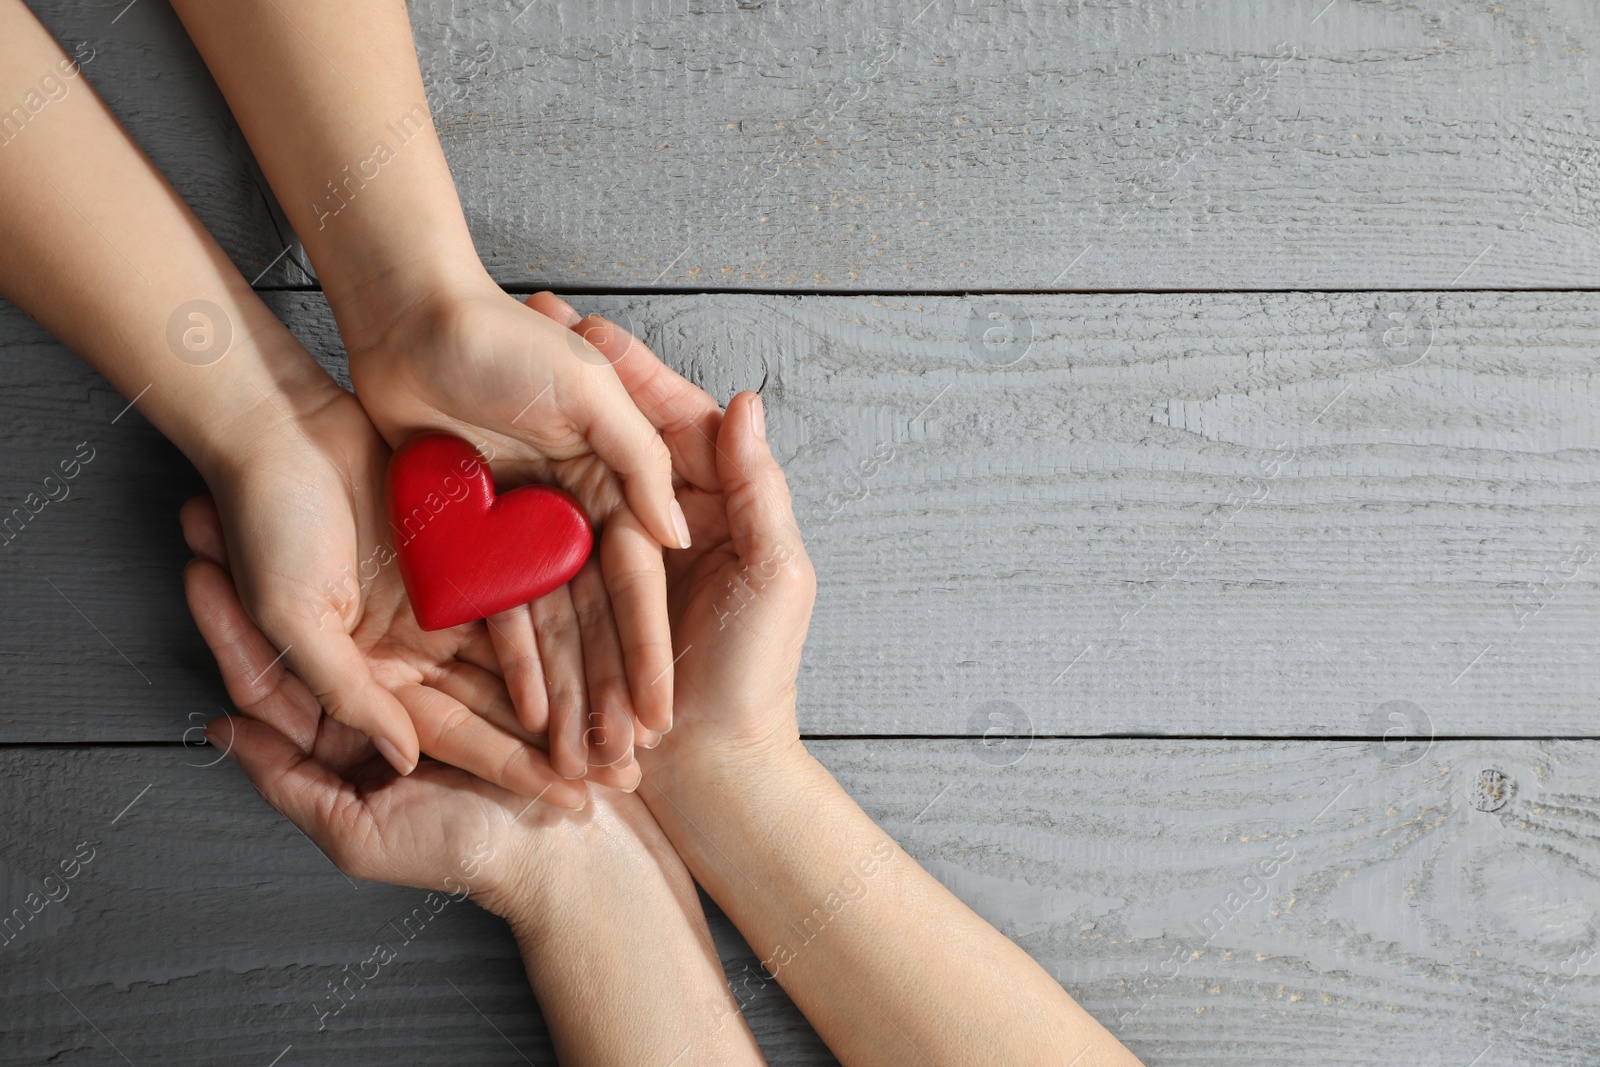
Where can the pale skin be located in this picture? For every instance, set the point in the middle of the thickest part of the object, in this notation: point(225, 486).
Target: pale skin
point(102, 251)
point(331, 99)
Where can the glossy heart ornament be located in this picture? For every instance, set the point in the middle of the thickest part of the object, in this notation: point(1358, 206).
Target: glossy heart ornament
point(465, 553)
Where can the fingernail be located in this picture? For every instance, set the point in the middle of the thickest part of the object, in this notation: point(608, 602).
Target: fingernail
point(758, 418)
point(216, 740)
point(392, 754)
point(566, 314)
point(680, 524)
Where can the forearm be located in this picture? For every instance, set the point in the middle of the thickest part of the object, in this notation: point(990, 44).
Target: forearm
point(618, 952)
point(887, 964)
point(99, 248)
point(331, 99)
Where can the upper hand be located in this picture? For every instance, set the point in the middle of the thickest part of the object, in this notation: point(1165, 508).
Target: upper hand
point(544, 404)
point(741, 599)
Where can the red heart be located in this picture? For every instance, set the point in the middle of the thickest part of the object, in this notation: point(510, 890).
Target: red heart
point(466, 553)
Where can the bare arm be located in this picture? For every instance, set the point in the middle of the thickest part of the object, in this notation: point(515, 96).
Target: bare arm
point(87, 249)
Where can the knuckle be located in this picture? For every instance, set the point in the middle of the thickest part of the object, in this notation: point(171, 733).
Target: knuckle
point(513, 766)
point(455, 721)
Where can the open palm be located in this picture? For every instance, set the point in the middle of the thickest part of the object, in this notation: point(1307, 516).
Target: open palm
point(526, 386)
point(302, 539)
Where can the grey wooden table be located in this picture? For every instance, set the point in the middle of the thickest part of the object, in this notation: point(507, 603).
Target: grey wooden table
point(1234, 366)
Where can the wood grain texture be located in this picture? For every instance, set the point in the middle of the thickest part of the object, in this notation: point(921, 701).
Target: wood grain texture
point(1407, 918)
point(930, 145)
point(1142, 514)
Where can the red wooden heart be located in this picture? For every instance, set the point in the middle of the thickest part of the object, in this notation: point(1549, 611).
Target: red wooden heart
point(464, 552)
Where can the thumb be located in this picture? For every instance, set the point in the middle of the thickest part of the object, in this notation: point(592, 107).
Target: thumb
point(760, 512)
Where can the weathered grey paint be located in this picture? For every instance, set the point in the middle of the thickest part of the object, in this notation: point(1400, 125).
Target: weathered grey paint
point(1253, 903)
point(1146, 514)
point(916, 145)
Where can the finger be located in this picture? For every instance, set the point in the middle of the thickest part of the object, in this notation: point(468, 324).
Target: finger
point(488, 699)
point(552, 306)
point(257, 681)
point(760, 514)
point(478, 649)
point(602, 411)
point(338, 675)
point(644, 737)
point(608, 729)
point(202, 530)
point(685, 415)
point(636, 584)
point(555, 621)
point(451, 733)
point(481, 692)
point(517, 648)
point(314, 798)
point(624, 776)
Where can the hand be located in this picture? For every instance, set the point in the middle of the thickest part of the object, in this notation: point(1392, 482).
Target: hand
point(740, 599)
point(298, 523)
point(544, 404)
point(438, 828)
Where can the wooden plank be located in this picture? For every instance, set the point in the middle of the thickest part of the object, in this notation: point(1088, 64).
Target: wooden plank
point(1165, 514)
point(1412, 912)
point(960, 144)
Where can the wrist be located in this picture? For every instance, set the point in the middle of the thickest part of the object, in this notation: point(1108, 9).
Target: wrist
point(388, 292)
point(257, 394)
point(551, 869)
point(731, 766)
